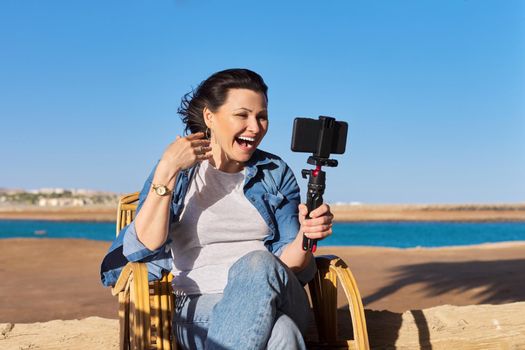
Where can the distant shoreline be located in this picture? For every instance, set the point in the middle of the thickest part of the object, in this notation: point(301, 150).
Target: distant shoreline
point(342, 213)
point(97, 214)
point(442, 212)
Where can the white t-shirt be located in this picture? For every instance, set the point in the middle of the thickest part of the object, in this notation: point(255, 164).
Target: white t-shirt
point(218, 226)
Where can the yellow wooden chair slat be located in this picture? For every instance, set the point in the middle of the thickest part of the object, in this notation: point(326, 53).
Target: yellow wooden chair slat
point(145, 308)
point(155, 317)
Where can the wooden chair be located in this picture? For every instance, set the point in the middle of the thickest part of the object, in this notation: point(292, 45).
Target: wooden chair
point(145, 308)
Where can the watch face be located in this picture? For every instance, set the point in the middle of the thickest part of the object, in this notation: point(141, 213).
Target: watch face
point(161, 191)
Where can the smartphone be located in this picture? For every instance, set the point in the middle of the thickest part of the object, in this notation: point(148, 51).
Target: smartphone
point(319, 136)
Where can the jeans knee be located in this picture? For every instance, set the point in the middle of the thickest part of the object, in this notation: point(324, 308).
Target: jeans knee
point(256, 263)
point(258, 258)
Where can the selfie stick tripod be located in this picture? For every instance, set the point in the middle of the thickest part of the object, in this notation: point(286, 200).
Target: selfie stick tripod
point(317, 177)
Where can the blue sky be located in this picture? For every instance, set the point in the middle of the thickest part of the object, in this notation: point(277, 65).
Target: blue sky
point(433, 91)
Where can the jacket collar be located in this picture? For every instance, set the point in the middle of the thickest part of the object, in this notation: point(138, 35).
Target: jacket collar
point(258, 159)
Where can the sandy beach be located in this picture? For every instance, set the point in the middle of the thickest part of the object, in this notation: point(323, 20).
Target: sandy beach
point(49, 280)
point(342, 213)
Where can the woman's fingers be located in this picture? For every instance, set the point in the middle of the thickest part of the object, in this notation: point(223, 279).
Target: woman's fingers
point(318, 235)
point(205, 155)
point(322, 210)
point(197, 135)
point(317, 231)
point(303, 210)
point(317, 228)
point(327, 219)
point(186, 151)
point(198, 143)
point(198, 150)
point(320, 224)
point(201, 148)
point(204, 150)
point(198, 147)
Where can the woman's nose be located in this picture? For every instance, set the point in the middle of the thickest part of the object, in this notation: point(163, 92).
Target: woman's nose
point(253, 125)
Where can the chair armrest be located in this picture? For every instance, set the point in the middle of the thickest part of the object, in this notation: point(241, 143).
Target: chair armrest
point(132, 288)
point(323, 289)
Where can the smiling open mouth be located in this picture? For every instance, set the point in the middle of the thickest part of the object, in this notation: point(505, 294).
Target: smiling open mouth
point(245, 142)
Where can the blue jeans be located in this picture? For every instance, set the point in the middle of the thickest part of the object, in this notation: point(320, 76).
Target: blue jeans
point(264, 306)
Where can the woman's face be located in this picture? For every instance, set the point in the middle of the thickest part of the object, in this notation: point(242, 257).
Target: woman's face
point(237, 128)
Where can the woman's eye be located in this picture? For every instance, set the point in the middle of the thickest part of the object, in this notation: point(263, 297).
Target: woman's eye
point(263, 117)
point(242, 115)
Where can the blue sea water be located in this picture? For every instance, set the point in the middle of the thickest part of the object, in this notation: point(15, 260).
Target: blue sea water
point(386, 234)
point(101, 231)
point(424, 234)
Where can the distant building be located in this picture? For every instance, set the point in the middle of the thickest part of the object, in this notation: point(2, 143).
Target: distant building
point(347, 203)
point(51, 191)
point(57, 197)
point(62, 202)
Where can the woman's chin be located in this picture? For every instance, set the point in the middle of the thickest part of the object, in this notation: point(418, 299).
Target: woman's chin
point(238, 155)
point(243, 158)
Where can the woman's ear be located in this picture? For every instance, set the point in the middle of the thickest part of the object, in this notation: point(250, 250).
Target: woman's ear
point(208, 117)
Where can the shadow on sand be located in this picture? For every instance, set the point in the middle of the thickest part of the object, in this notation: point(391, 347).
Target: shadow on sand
point(494, 282)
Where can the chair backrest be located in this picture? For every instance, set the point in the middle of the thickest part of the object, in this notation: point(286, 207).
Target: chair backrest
point(127, 207)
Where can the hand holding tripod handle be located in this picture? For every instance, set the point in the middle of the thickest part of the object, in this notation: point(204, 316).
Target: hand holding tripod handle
point(314, 199)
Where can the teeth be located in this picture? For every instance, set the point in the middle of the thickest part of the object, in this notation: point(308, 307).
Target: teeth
point(251, 139)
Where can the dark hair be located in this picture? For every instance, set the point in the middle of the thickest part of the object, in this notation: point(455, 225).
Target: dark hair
point(212, 93)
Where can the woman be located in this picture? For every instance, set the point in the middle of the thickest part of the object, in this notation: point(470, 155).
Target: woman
point(230, 216)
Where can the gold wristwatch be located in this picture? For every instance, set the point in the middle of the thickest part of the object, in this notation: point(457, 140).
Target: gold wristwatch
point(161, 190)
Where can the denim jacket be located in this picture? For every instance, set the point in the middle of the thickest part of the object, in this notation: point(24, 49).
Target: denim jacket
point(269, 185)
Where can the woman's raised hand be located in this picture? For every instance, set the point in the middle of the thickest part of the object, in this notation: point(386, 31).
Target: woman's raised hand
point(185, 152)
point(319, 225)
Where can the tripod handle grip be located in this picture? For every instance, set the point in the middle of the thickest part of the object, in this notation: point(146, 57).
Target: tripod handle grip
point(309, 244)
point(314, 200)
